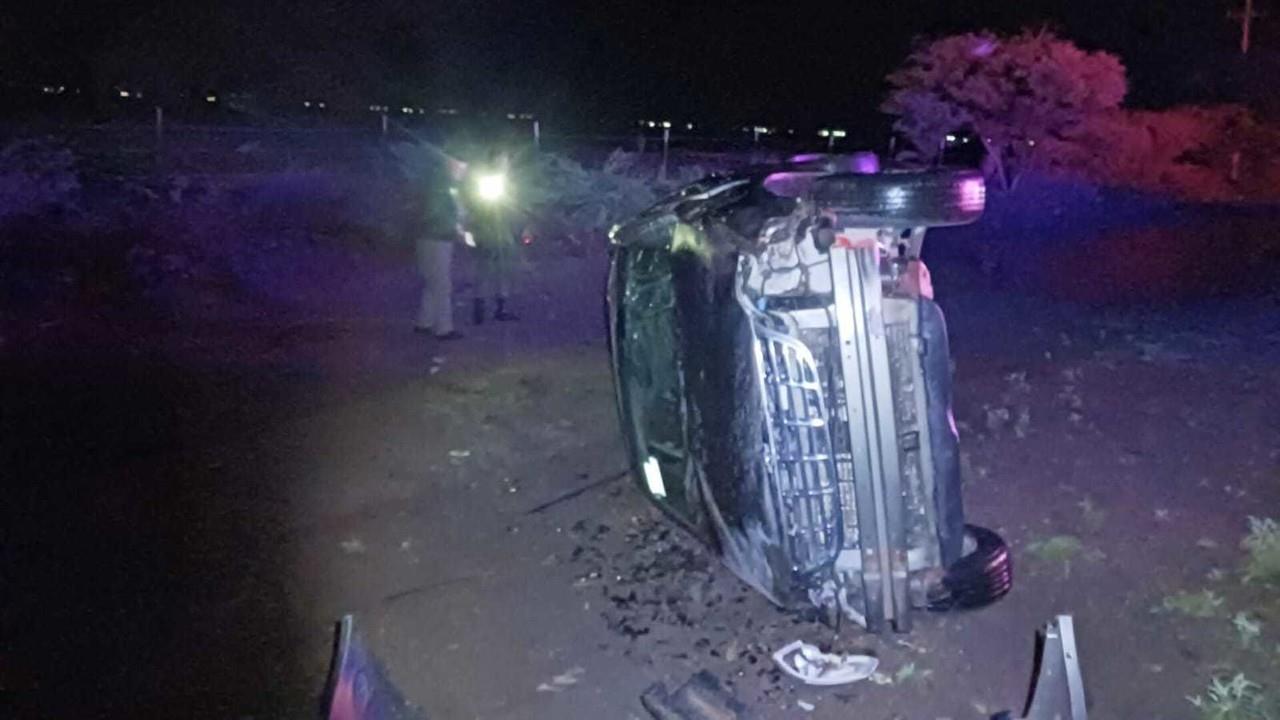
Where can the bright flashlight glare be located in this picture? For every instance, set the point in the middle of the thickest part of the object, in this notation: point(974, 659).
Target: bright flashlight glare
point(491, 188)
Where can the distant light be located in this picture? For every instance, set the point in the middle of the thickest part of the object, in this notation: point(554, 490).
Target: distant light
point(791, 131)
point(1032, 143)
point(306, 103)
point(640, 123)
point(838, 133)
point(653, 124)
point(124, 93)
point(211, 98)
point(666, 124)
point(761, 130)
point(511, 116)
point(688, 126)
point(526, 116)
point(321, 104)
point(824, 133)
point(447, 111)
point(951, 138)
point(406, 110)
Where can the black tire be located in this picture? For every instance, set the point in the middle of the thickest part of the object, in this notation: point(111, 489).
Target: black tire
point(903, 198)
point(977, 579)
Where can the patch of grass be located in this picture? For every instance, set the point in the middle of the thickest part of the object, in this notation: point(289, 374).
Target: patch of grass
point(1094, 517)
point(1236, 699)
point(1057, 550)
point(909, 671)
point(1203, 604)
point(1263, 545)
point(1248, 630)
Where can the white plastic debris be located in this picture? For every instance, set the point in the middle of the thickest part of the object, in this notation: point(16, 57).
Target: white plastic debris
point(811, 666)
point(562, 681)
point(805, 705)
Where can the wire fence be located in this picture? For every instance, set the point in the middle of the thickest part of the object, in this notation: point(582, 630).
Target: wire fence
point(160, 147)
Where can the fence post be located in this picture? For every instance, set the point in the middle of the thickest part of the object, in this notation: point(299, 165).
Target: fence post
point(666, 144)
point(384, 125)
point(537, 136)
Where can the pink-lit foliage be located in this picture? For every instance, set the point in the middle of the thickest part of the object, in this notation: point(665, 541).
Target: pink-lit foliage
point(1201, 153)
point(1013, 92)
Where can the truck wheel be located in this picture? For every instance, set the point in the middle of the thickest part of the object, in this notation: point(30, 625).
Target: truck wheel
point(980, 577)
point(903, 198)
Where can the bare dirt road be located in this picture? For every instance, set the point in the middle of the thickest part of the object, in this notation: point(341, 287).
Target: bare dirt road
point(189, 506)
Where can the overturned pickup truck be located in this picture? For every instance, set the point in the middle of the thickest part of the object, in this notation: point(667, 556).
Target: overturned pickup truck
point(784, 383)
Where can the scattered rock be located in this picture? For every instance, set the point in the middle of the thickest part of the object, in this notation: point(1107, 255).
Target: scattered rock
point(997, 417)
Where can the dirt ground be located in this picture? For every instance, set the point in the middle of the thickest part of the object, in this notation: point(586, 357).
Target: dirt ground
point(189, 506)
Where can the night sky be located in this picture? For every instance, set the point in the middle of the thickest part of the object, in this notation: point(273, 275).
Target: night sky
point(783, 63)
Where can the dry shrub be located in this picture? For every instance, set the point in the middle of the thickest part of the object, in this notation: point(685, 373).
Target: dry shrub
point(36, 177)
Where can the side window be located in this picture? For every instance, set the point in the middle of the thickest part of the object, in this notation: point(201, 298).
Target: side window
point(650, 379)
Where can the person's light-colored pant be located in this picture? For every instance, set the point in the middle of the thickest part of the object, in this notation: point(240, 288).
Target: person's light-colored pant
point(435, 261)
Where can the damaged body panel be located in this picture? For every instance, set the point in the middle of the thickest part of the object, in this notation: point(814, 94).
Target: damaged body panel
point(784, 385)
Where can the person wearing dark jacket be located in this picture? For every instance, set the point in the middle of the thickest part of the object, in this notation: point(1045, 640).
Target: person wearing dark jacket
point(489, 212)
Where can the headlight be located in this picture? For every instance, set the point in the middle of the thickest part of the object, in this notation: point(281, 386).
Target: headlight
point(491, 188)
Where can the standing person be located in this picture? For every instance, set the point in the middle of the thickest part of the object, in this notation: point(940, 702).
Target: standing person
point(434, 249)
point(490, 210)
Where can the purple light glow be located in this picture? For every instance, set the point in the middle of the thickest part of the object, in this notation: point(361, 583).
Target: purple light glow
point(984, 48)
point(973, 194)
point(790, 184)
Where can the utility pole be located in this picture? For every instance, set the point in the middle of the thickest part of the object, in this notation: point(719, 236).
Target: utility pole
point(1246, 17)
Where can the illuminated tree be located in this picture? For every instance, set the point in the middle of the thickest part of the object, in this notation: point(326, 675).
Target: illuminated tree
point(1013, 93)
